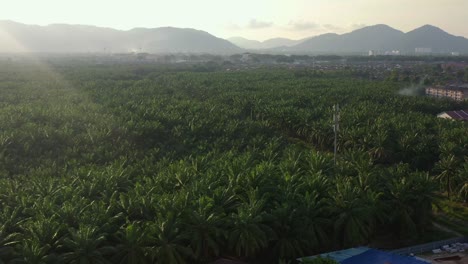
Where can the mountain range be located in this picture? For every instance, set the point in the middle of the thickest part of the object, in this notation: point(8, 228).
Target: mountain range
point(62, 38)
point(384, 38)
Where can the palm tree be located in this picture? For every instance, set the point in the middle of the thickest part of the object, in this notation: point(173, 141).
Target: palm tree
point(10, 219)
point(463, 179)
point(379, 150)
point(7, 242)
point(292, 238)
point(248, 232)
point(167, 242)
point(132, 247)
point(447, 167)
point(424, 186)
point(402, 206)
point(86, 245)
point(355, 210)
point(48, 232)
point(316, 218)
point(32, 252)
point(319, 162)
point(205, 225)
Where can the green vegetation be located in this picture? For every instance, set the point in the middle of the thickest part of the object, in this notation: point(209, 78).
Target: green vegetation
point(149, 164)
point(453, 215)
point(320, 260)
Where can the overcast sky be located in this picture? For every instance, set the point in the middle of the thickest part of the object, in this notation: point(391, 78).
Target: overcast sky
point(254, 19)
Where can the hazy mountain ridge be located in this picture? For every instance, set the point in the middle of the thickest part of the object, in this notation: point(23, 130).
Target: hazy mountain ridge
point(62, 38)
point(384, 38)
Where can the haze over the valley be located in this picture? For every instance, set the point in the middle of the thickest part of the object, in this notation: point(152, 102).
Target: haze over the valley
point(252, 19)
point(62, 38)
point(209, 26)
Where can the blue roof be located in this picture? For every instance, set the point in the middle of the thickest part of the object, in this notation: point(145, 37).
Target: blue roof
point(341, 254)
point(373, 256)
point(344, 254)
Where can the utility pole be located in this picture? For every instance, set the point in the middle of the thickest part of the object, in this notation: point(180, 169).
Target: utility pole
point(336, 127)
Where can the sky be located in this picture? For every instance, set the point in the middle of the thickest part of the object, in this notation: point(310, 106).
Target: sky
point(253, 19)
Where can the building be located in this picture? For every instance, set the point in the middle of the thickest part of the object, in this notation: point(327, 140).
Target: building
point(227, 261)
point(455, 92)
point(365, 255)
point(461, 115)
point(393, 52)
point(423, 50)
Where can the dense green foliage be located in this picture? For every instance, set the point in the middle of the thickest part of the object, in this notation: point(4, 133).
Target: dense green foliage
point(145, 164)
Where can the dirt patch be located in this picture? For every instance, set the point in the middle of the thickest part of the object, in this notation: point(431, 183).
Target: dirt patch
point(448, 259)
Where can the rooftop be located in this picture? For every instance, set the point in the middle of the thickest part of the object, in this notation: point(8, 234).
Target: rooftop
point(463, 87)
point(227, 261)
point(458, 115)
point(365, 255)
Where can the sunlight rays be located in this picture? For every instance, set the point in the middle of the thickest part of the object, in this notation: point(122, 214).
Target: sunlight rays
point(12, 45)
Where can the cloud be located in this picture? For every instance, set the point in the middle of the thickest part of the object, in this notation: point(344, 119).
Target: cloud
point(357, 26)
point(256, 24)
point(331, 27)
point(303, 25)
point(299, 27)
point(232, 26)
point(342, 29)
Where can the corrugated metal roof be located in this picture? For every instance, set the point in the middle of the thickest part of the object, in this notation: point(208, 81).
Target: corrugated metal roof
point(345, 254)
point(373, 256)
point(459, 115)
point(365, 255)
point(458, 86)
point(341, 254)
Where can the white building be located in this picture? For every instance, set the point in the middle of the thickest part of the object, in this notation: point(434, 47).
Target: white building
point(423, 50)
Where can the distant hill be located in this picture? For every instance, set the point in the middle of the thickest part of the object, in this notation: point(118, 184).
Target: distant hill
point(60, 38)
point(245, 43)
point(267, 44)
point(384, 38)
point(434, 38)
